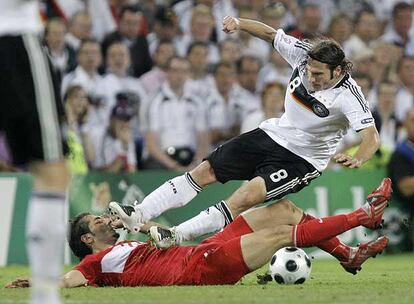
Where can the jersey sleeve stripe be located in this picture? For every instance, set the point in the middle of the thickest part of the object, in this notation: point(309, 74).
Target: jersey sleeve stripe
point(302, 46)
point(357, 95)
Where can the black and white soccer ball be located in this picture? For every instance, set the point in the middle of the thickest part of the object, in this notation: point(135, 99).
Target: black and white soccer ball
point(290, 265)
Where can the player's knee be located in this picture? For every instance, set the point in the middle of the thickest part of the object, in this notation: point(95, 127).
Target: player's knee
point(203, 174)
point(289, 206)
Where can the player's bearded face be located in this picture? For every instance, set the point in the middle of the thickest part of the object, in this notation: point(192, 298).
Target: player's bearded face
point(102, 228)
point(319, 75)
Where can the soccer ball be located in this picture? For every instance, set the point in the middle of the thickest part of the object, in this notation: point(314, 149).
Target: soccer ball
point(290, 265)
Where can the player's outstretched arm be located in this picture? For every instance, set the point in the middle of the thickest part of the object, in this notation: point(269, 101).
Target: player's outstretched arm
point(73, 278)
point(369, 145)
point(253, 27)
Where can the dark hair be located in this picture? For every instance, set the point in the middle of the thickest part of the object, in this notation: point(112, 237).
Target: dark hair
point(195, 44)
point(362, 75)
point(86, 41)
point(224, 64)
point(79, 227)
point(359, 15)
point(270, 85)
point(329, 51)
point(133, 8)
point(401, 6)
point(71, 90)
point(239, 63)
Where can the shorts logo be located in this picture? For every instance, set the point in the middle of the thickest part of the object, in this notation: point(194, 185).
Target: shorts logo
point(319, 109)
point(367, 120)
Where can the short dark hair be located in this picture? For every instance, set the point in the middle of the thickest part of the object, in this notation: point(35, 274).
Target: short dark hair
point(401, 6)
point(133, 8)
point(79, 227)
point(224, 64)
point(364, 11)
point(195, 44)
point(239, 63)
point(329, 51)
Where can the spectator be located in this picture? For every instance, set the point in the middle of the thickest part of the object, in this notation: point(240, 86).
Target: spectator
point(229, 50)
point(62, 56)
point(272, 106)
point(340, 28)
point(384, 116)
point(401, 168)
point(248, 68)
point(201, 28)
point(118, 86)
point(86, 75)
point(219, 9)
point(272, 15)
point(225, 111)
point(165, 28)
point(81, 150)
point(200, 82)
point(117, 152)
point(308, 23)
point(398, 32)
point(127, 33)
point(80, 28)
point(276, 69)
point(405, 94)
point(153, 80)
point(177, 137)
point(250, 45)
point(364, 80)
point(366, 31)
point(89, 58)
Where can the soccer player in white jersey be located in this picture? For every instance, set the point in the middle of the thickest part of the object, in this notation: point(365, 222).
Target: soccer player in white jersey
point(280, 157)
point(31, 113)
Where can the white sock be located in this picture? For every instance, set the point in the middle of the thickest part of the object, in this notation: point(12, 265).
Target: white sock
point(174, 193)
point(210, 220)
point(45, 242)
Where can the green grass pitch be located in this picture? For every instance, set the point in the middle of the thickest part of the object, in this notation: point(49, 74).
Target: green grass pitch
point(386, 279)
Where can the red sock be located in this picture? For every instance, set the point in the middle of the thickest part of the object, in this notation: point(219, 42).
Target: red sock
point(315, 231)
point(333, 246)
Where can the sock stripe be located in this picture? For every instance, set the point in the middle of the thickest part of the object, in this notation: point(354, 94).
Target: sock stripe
point(192, 183)
point(49, 195)
point(222, 207)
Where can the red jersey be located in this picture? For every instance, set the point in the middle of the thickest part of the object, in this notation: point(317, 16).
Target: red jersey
point(218, 260)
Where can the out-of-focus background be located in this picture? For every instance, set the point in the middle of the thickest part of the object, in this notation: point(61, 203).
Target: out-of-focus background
point(151, 87)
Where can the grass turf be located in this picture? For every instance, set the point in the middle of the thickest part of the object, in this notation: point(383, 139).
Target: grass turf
point(387, 279)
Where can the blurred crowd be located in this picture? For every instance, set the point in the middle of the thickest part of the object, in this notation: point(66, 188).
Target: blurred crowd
point(152, 84)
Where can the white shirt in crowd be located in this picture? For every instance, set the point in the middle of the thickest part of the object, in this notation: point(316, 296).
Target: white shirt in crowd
point(271, 73)
point(176, 120)
point(315, 134)
point(404, 100)
point(112, 148)
point(201, 87)
point(224, 114)
point(152, 81)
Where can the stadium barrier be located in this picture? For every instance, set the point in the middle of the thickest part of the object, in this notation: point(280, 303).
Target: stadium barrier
point(332, 193)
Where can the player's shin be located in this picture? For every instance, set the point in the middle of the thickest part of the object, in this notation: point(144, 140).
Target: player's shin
point(315, 231)
point(174, 193)
point(210, 220)
point(45, 239)
point(333, 246)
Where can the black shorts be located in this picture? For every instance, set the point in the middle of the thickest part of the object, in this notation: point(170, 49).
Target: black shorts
point(31, 109)
point(255, 154)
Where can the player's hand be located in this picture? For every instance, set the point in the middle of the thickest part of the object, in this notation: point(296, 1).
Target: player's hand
point(347, 160)
point(19, 283)
point(231, 24)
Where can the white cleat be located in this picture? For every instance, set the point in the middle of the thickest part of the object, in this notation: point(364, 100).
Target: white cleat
point(163, 238)
point(130, 217)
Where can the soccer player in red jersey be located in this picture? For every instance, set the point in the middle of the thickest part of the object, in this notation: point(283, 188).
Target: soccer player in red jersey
point(243, 246)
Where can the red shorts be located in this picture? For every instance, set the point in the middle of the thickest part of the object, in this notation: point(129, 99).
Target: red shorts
point(219, 260)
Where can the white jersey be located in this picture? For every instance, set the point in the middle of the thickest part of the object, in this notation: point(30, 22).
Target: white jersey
point(314, 122)
point(19, 17)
